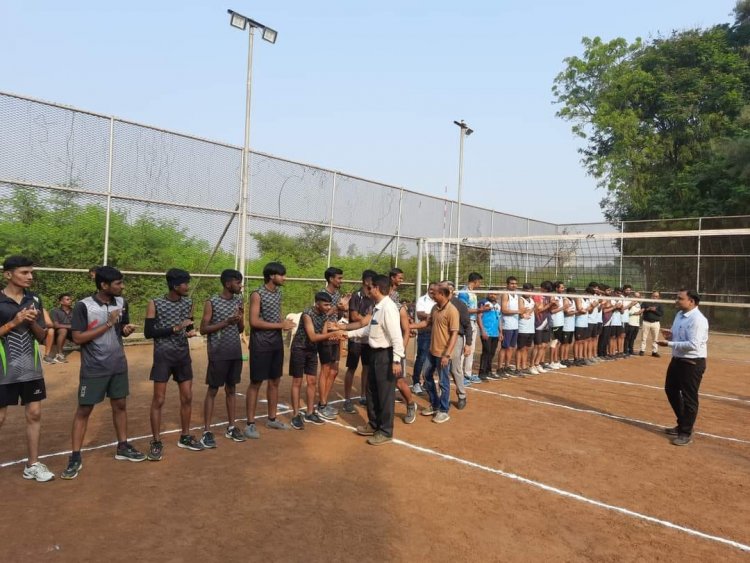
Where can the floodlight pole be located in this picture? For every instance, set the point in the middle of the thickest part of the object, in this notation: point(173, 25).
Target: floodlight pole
point(464, 131)
point(245, 172)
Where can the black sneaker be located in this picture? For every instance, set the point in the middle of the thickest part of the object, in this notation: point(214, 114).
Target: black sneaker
point(682, 440)
point(208, 440)
point(314, 419)
point(363, 401)
point(233, 433)
point(349, 407)
point(74, 467)
point(640, 353)
point(674, 431)
point(656, 354)
point(129, 453)
point(188, 442)
point(155, 450)
point(298, 423)
point(461, 404)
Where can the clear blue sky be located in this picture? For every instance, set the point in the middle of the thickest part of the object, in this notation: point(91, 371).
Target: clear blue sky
point(368, 88)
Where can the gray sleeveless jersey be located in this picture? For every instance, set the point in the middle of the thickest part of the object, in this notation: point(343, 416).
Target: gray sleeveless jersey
point(224, 344)
point(172, 349)
point(270, 311)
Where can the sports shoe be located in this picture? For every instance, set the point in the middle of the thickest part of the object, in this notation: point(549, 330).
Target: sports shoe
point(326, 412)
point(61, 359)
point(188, 442)
point(349, 407)
point(39, 472)
point(475, 378)
point(365, 430)
point(547, 367)
point(641, 353)
point(417, 389)
point(49, 360)
point(656, 354)
point(561, 365)
point(378, 439)
point(461, 403)
point(128, 453)
point(251, 431)
point(532, 371)
point(233, 433)
point(411, 413)
point(441, 417)
point(155, 450)
point(541, 369)
point(298, 423)
point(674, 431)
point(363, 401)
point(682, 440)
point(494, 376)
point(73, 469)
point(467, 382)
point(209, 442)
point(333, 410)
point(429, 410)
point(277, 424)
point(314, 419)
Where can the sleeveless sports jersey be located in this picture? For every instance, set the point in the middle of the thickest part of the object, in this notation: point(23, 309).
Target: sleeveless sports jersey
point(526, 326)
point(510, 322)
point(172, 349)
point(224, 344)
point(270, 311)
point(595, 312)
point(104, 355)
point(616, 315)
point(300, 339)
point(626, 311)
point(569, 322)
point(558, 319)
point(582, 321)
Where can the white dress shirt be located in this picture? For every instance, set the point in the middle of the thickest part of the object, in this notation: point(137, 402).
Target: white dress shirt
point(384, 330)
point(689, 335)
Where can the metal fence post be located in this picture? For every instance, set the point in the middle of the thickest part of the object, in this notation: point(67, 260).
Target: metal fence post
point(622, 249)
point(105, 260)
point(492, 234)
point(398, 226)
point(698, 268)
point(333, 204)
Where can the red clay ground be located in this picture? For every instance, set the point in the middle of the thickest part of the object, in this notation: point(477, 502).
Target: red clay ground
point(323, 494)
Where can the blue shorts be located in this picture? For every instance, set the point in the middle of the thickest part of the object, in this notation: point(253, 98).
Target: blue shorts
point(510, 338)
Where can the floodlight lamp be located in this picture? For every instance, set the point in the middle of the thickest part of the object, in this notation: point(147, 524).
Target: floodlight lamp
point(269, 34)
point(469, 131)
point(237, 20)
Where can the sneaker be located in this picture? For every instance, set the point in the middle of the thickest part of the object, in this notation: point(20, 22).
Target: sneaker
point(49, 360)
point(349, 407)
point(475, 379)
point(589, 362)
point(61, 359)
point(674, 431)
point(656, 354)
point(277, 424)
point(73, 469)
point(378, 439)
point(441, 417)
point(298, 423)
point(532, 371)
point(411, 413)
point(251, 431)
point(547, 367)
point(365, 430)
point(641, 353)
point(155, 450)
point(326, 412)
point(363, 401)
point(541, 369)
point(128, 453)
point(417, 389)
point(209, 441)
point(233, 433)
point(39, 472)
point(333, 410)
point(461, 404)
point(494, 376)
point(682, 440)
point(467, 382)
point(314, 419)
point(429, 410)
point(188, 442)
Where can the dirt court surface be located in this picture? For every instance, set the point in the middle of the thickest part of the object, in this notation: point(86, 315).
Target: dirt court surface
point(570, 465)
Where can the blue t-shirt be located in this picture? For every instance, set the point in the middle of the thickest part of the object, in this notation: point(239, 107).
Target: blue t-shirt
point(470, 298)
point(491, 318)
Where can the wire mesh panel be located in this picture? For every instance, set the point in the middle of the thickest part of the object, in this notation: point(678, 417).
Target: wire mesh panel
point(366, 206)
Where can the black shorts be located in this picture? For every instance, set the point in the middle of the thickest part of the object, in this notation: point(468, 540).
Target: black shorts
point(303, 361)
point(161, 371)
point(223, 372)
point(510, 338)
point(357, 351)
point(567, 337)
point(525, 339)
point(557, 333)
point(615, 331)
point(329, 353)
point(542, 336)
point(26, 391)
point(582, 333)
point(68, 333)
point(266, 365)
point(92, 390)
point(595, 330)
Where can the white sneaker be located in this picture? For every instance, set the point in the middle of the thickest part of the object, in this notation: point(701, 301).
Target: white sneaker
point(533, 371)
point(540, 369)
point(417, 388)
point(39, 472)
point(561, 366)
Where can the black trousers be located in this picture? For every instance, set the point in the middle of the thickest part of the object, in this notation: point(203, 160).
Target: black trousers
point(683, 381)
point(603, 342)
point(381, 390)
point(630, 333)
point(489, 347)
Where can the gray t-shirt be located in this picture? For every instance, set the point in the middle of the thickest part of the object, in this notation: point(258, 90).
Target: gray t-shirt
point(103, 356)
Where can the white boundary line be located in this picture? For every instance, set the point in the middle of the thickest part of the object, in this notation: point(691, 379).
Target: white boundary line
point(567, 494)
point(720, 397)
point(597, 413)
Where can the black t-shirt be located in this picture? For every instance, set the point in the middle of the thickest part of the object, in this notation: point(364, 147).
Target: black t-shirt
point(21, 357)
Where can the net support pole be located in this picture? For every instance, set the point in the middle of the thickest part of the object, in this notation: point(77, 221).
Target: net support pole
point(398, 226)
point(492, 234)
point(109, 190)
point(698, 264)
point(330, 224)
point(622, 249)
point(420, 254)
